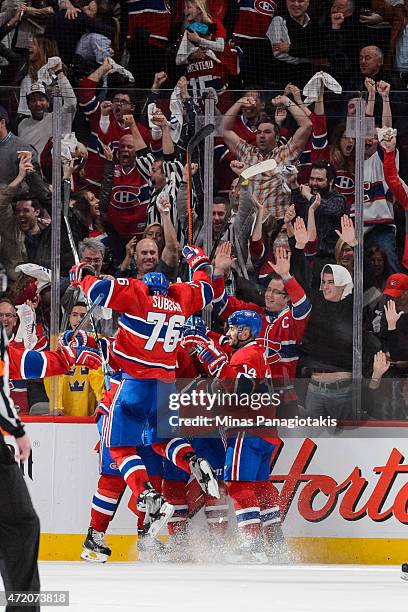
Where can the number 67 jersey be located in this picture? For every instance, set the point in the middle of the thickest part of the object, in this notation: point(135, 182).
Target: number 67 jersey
point(150, 325)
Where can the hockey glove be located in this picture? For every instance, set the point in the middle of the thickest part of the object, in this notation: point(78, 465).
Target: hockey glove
point(80, 339)
point(195, 257)
point(77, 273)
point(193, 335)
point(81, 356)
point(212, 359)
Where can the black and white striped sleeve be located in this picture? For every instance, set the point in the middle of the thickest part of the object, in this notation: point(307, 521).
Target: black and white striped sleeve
point(144, 162)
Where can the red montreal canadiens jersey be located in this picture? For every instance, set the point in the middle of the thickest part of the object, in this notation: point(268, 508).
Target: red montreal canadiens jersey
point(282, 331)
point(90, 105)
point(210, 73)
point(18, 388)
point(151, 15)
point(345, 185)
point(316, 149)
point(150, 325)
point(130, 196)
point(254, 19)
point(250, 362)
point(33, 364)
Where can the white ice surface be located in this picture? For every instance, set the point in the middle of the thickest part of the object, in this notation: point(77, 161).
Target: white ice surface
point(118, 587)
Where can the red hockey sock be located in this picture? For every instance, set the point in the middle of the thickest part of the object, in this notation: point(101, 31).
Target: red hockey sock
point(131, 468)
point(246, 507)
point(106, 500)
point(175, 450)
point(175, 493)
point(216, 510)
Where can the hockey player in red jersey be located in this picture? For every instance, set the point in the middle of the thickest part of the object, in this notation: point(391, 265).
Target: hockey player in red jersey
point(182, 492)
point(284, 318)
point(152, 316)
point(111, 486)
point(248, 458)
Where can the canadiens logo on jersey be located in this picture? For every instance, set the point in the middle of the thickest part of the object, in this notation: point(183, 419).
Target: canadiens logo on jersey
point(126, 199)
point(344, 183)
point(265, 7)
point(130, 195)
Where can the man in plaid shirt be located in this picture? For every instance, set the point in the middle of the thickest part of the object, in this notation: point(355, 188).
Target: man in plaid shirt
point(268, 187)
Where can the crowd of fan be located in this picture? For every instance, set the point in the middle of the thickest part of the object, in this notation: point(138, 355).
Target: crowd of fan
point(133, 77)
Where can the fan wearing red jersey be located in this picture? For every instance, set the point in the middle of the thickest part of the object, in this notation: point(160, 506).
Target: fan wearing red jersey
point(152, 316)
point(125, 191)
point(112, 130)
point(248, 458)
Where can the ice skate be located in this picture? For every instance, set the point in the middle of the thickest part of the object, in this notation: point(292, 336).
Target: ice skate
point(94, 547)
point(250, 551)
point(121, 70)
point(404, 570)
point(158, 511)
point(204, 474)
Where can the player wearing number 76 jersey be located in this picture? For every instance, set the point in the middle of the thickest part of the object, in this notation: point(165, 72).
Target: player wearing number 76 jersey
point(145, 349)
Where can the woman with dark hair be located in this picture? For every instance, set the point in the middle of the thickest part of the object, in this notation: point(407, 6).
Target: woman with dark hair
point(342, 149)
point(86, 206)
point(379, 266)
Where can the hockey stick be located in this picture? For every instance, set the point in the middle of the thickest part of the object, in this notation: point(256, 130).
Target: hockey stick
point(264, 166)
point(192, 144)
point(88, 314)
point(105, 368)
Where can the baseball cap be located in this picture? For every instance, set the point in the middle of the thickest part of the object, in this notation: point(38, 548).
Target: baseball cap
point(4, 114)
point(37, 88)
point(396, 285)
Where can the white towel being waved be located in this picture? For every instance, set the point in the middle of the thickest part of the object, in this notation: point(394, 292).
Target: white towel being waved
point(176, 120)
point(48, 69)
point(312, 88)
point(26, 331)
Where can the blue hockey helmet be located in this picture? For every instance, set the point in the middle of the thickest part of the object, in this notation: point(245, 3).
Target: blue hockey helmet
point(195, 323)
point(157, 282)
point(246, 318)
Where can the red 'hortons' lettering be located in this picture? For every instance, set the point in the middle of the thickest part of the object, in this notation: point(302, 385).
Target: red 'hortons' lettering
point(320, 494)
